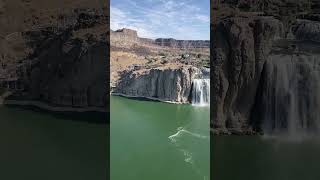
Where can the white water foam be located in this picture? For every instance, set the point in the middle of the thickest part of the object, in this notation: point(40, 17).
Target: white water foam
point(188, 156)
point(181, 131)
point(201, 92)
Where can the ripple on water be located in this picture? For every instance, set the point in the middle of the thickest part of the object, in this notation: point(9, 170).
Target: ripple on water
point(177, 140)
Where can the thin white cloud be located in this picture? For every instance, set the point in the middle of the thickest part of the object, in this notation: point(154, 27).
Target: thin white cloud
point(165, 18)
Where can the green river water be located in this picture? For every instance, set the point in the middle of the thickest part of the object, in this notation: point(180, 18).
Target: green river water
point(41, 146)
point(158, 141)
point(264, 158)
point(149, 140)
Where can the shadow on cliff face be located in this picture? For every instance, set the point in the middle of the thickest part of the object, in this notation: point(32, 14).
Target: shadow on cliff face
point(257, 111)
point(148, 99)
point(88, 117)
point(142, 99)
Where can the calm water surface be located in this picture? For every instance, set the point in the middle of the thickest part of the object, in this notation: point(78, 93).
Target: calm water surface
point(158, 141)
point(41, 146)
point(263, 158)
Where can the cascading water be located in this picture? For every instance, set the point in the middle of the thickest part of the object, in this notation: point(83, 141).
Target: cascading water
point(201, 92)
point(291, 95)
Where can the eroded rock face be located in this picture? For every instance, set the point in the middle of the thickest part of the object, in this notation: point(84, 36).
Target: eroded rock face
point(117, 37)
point(70, 72)
point(60, 60)
point(165, 84)
point(307, 30)
point(173, 43)
point(127, 37)
point(239, 50)
point(247, 53)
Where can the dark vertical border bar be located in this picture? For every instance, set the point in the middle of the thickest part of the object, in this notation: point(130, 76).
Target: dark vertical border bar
point(54, 89)
point(107, 9)
point(211, 87)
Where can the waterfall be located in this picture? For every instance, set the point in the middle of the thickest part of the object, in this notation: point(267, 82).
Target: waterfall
point(201, 92)
point(291, 95)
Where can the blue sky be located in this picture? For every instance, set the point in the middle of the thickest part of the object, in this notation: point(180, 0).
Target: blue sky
point(179, 19)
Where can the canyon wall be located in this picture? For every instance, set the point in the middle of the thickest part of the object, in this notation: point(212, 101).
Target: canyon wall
point(160, 69)
point(164, 84)
point(128, 37)
point(57, 57)
point(251, 43)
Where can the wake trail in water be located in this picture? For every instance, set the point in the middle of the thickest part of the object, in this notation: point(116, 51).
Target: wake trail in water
point(182, 131)
point(188, 156)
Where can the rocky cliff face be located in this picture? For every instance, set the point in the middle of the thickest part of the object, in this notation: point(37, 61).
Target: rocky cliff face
point(164, 84)
point(161, 69)
point(58, 57)
point(239, 50)
point(127, 37)
point(307, 30)
point(173, 43)
point(117, 37)
point(244, 42)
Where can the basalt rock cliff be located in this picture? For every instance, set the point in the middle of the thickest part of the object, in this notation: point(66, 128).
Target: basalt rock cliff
point(129, 37)
point(164, 84)
point(161, 69)
point(54, 55)
point(264, 63)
